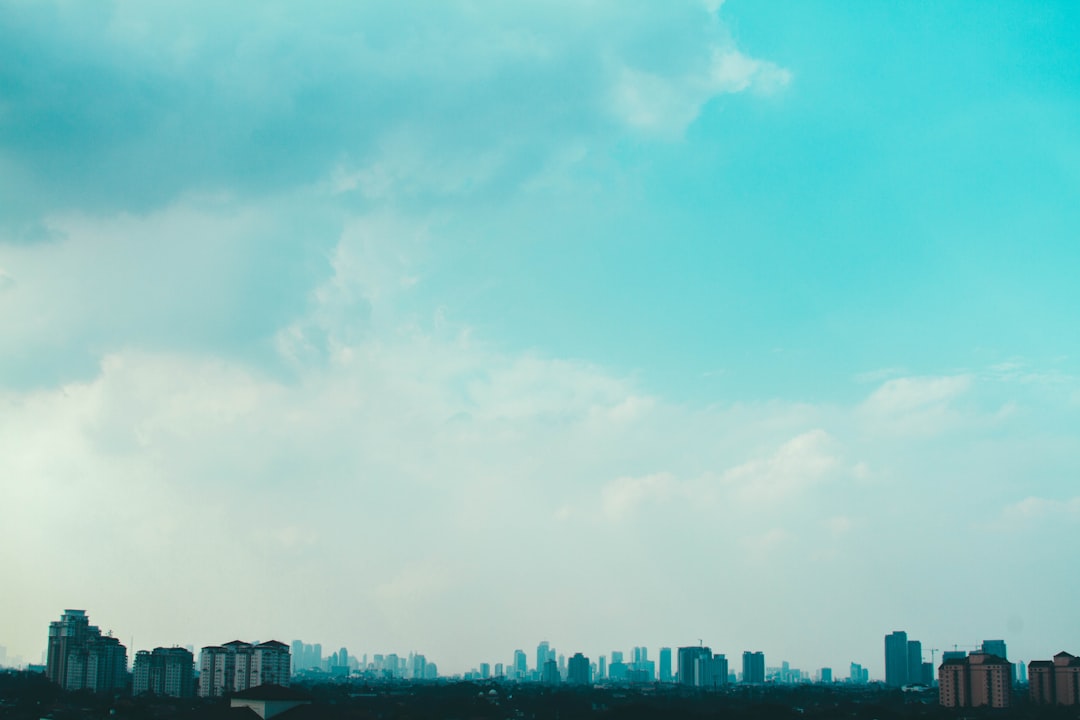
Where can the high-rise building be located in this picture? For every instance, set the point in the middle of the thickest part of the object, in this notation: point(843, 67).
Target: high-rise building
point(79, 657)
point(915, 663)
point(995, 647)
point(714, 671)
point(859, 675)
point(521, 669)
point(602, 672)
point(896, 659)
point(549, 674)
point(978, 680)
point(577, 672)
point(238, 665)
point(753, 667)
point(693, 661)
point(1055, 682)
point(665, 664)
point(543, 654)
point(826, 676)
point(168, 672)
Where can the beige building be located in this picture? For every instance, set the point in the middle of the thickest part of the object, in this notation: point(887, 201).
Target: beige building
point(237, 666)
point(1055, 682)
point(978, 680)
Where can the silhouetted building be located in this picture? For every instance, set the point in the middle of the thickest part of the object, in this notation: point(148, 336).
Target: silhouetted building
point(167, 672)
point(550, 673)
point(543, 654)
point(858, 675)
point(995, 647)
point(79, 657)
point(665, 665)
point(826, 676)
point(753, 667)
point(978, 680)
point(691, 667)
point(715, 671)
point(238, 665)
point(521, 667)
point(915, 665)
point(896, 659)
point(1055, 682)
point(577, 672)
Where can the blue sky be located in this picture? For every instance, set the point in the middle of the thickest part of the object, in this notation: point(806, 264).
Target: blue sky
point(761, 304)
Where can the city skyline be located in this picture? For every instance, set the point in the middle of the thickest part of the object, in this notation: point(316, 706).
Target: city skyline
point(904, 662)
point(457, 326)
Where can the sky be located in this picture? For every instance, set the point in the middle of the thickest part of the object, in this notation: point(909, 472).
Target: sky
point(454, 327)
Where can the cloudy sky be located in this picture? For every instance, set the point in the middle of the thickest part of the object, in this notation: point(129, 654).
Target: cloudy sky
point(453, 327)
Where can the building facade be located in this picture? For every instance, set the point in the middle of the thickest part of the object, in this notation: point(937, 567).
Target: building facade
point(753, 664)
point(896, 659)
point(79, 657)
point(1055, 682)
point(238, 665)
point(978, 680)
point(168, 672)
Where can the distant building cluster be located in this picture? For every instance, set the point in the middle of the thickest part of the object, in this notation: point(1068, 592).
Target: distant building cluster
point(904, 662)
point(81, 657)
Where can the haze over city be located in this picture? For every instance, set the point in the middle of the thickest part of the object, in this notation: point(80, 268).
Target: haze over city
point(456, 327)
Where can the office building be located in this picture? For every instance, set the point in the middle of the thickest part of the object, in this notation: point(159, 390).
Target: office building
point(79, 657)
point(1055, 682)
point(544, 652)
point(995, 647)
point(978, 680)
point(753, 664)
point(714, 671)
point(825, 676)
point(549, 674)
point(521, 668)
point(239, 665)
point(915, 664)
point(896, 659)
point(858, 675)
point(665, 665)
point(578, 670)
point(691, 671)
point(167, 672)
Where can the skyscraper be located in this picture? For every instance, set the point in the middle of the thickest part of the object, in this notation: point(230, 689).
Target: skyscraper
point(691, 670)
point(978, 680)
point(543, 653)
point(521, 668)
point(79, 657)
point(578, 670)
point(665, 664)
point(753, 667)
point(914, 663)
point(896, 659)
point(238, 665)
point(165, 672)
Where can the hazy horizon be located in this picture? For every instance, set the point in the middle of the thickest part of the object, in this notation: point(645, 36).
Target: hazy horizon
point(457, 327)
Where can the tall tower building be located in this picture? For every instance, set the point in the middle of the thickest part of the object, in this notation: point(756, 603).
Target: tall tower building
point(665, 664)
point(166, 672)
point(543, 653)
point(691, 668)
point(577, 672)
point(237, 666)
point(896, 659)
point(914, 663)
point(79, 657)
point(521, 668)
point(753, 667)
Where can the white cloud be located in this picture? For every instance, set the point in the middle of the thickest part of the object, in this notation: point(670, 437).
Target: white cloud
point(666, 105)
